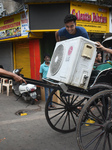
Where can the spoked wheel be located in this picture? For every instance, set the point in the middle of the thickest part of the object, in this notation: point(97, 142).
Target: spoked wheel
point(95, 132)
point(65, 108)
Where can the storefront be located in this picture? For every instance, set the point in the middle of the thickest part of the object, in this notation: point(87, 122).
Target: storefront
point(95, 19)
point(18, 50)
point(26, 37)
point(48, 18)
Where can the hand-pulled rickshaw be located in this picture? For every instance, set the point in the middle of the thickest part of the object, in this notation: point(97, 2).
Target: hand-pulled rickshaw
point(89, 110)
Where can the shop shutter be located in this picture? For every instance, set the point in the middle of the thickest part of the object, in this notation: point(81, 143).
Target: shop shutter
point(6, 58)
point(22, 58)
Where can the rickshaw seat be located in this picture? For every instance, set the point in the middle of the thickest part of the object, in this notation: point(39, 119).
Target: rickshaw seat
point(104, 66)
point(93, 76)
point(98, 69)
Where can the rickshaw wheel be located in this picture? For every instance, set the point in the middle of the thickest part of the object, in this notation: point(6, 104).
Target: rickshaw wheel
point(63, 115)
point(96, 131)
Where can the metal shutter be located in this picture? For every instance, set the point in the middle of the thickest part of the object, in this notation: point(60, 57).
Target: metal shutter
point(22, 57)
point(6, 58)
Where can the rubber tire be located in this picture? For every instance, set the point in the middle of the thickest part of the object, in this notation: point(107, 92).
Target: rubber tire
point(48, 119)
point(82, 113)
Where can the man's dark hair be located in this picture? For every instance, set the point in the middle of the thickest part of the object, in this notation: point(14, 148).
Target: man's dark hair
point(46, 55)
point(69, 18)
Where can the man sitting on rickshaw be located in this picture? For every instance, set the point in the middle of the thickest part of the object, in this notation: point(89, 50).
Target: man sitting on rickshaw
point(102, 66)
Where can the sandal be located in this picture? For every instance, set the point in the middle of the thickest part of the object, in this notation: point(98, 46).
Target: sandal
point(52, 106)
point(80, 107)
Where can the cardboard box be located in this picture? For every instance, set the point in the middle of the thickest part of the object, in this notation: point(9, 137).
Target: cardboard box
point(54, 97)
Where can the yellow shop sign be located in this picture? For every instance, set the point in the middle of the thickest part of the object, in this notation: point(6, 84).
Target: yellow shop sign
point(92, 17)
point(14, 26)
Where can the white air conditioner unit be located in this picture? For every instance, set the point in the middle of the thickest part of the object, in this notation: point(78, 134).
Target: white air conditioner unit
point(72, 62)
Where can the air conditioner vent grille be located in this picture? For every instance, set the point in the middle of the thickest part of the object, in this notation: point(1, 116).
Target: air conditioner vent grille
point(57, 59)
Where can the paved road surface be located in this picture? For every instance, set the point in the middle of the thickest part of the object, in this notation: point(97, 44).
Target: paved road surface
point(30, 132)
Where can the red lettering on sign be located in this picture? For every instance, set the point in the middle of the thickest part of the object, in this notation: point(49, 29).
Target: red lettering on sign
point(24, 21)
point(9, 21)
point(23, 16)
point(86, 17)
point(16, 24)
point(96, 18)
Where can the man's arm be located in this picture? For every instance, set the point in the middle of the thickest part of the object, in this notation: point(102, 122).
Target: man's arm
point(10, 74)
point(108, 50)
point(57, 37)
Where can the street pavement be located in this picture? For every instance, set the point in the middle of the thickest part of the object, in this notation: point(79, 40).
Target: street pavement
point(31, 131)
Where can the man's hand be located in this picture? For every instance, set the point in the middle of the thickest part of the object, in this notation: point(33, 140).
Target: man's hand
point(99, 45)
point(10, 74)
point(18, 79)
